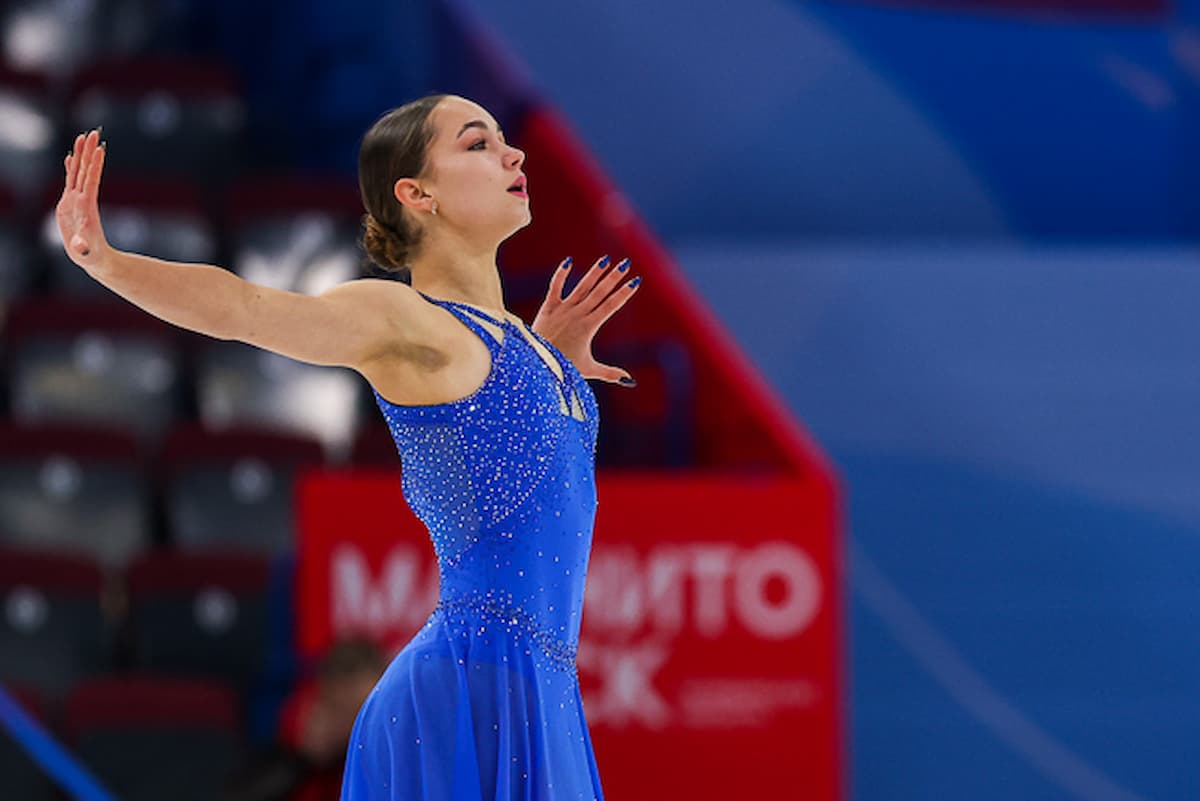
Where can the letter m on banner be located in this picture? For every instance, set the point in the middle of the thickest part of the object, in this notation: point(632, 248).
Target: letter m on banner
point(377, 604)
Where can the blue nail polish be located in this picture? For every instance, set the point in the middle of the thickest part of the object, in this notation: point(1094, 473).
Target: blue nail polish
point(629, 382)
point(635, 282)
point(567, 263)
point(623, 265)
point(603, 263)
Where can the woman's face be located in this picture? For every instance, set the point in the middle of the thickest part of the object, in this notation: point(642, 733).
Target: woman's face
point(469, 169)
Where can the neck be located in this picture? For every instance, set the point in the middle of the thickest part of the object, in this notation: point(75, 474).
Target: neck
point(459, 272)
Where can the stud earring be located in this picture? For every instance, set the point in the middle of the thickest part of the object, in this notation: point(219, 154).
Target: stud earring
point(434, 209)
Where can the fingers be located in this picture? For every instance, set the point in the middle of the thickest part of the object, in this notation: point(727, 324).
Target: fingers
point(559, 280)
point(596, 279)
point(617, 299)
point(85, 147)
point(605, 285)
point(90, 146)
point(589, 280)
point(613, 375)
point(91, 186)
point(73, 161)
point(80, 163)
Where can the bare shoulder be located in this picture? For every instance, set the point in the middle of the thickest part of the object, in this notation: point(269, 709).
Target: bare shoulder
point(411, 321)
point(379, 294)
point(346, 325)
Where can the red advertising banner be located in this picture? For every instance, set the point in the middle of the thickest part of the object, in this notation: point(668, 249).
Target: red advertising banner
point(709, 649)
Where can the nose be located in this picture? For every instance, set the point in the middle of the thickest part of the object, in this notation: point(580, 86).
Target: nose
point(520, 155)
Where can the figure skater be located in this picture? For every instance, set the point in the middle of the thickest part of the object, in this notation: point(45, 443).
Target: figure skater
point(495, 426)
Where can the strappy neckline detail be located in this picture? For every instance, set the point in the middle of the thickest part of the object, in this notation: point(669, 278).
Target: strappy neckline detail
point(470, 306)
point(563, 382)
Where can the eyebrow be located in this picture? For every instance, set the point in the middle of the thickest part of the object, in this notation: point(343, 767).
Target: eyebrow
point(478, 124)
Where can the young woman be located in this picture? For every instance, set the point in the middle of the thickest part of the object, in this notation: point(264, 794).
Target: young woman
point(496, 429)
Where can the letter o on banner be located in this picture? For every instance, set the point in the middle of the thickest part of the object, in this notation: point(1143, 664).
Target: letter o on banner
point(802, 595)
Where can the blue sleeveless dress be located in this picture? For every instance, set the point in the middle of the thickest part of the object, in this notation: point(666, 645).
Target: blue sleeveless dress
point(483, 704)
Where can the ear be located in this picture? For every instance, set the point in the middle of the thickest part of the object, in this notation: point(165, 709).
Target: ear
point(410, 193)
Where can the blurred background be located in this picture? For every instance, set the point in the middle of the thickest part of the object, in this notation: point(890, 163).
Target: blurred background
point(938, 257)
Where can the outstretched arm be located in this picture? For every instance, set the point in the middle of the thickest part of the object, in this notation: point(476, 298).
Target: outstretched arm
point(346, 325)
point(197, 297)
point(572, 322)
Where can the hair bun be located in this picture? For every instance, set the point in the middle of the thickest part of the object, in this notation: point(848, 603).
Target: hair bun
point(383, 245)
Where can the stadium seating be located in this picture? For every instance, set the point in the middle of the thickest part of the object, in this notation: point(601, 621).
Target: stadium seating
point(53, 629)
point(239, 384)
point(296, 234)
point(200, 615)
point(232, 489)
point(30, 125)
point(18, 272)
point(154, 738)
point(105, 363)
point(73, 488)
point(58, 37)
point(167, 116)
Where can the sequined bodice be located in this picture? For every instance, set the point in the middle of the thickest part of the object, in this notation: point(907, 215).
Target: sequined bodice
point(504, 479)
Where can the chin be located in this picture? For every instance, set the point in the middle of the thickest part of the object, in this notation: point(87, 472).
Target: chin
point(527, 221)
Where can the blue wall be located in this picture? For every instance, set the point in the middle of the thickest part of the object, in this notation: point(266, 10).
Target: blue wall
point(842, 119)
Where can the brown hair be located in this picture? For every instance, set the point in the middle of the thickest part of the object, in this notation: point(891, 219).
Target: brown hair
point(393, 148)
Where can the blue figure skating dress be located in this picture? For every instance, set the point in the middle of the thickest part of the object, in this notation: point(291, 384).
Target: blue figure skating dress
point(483, 704)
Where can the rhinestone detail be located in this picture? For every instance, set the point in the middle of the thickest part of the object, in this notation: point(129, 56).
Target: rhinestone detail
point(559, 652)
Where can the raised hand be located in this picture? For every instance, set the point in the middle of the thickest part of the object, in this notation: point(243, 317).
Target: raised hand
point(572, 322)
point(78, 211)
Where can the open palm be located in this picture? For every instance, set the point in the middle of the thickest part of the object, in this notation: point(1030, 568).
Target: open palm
point(78, 211)
point(571, 323)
